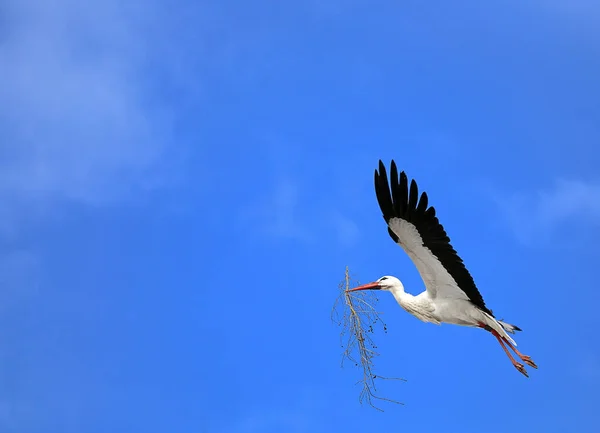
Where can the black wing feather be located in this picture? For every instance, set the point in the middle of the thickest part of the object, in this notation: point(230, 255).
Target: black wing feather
point(403, 203)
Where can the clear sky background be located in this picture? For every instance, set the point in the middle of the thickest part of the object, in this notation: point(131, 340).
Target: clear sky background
point(183, 183)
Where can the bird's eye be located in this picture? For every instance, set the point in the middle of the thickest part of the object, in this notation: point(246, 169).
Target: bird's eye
point(383, 278)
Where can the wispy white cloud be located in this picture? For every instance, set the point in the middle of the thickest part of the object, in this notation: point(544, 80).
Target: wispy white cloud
point(83, 120)
point(292, 208)
point(297, 205)
point(536, 215)
point(276, 213)
point(79, 120)
point(285, 213)
point(346, 229)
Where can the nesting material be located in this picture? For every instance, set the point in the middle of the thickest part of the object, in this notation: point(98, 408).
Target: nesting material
point(355, 313)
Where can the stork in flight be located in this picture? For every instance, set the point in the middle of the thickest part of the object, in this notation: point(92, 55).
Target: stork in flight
point(451, 295)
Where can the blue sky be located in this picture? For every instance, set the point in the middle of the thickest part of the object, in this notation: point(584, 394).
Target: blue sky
point(183, 184)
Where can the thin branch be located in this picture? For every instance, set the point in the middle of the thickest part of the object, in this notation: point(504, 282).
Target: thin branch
point(356, 336)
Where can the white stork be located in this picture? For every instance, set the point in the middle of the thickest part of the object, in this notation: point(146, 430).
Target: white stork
point(451, 295)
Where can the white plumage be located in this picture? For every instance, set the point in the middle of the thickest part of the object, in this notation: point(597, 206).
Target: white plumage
point(451, 295)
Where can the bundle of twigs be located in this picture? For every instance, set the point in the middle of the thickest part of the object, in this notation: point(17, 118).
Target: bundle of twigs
point(358, 320)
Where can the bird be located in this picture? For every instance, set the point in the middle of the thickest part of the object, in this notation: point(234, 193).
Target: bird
point(450, 295)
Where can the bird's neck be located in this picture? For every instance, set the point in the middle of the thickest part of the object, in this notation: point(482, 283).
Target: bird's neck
point(419, 306)
point(401, 296)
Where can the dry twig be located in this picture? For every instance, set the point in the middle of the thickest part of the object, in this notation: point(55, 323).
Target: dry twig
point(358, 320)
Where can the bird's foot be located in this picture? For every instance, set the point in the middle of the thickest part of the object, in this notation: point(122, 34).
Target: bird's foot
point(527, 360)
point(521, 368)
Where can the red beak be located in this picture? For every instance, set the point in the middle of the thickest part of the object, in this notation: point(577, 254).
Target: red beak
point(370, 286)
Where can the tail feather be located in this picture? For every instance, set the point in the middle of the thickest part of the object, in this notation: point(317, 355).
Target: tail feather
point(502, 328)
point(508, 327)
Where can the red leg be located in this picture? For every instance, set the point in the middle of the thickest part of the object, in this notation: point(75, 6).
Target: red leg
point(517, 365)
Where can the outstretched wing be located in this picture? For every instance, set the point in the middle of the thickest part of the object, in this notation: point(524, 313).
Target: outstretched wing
point(414, 226)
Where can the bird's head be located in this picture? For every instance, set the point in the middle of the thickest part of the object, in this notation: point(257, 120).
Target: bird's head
point(386, 282)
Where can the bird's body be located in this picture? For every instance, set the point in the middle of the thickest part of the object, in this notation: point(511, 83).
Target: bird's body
point(451, 295)
point(438, 310)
